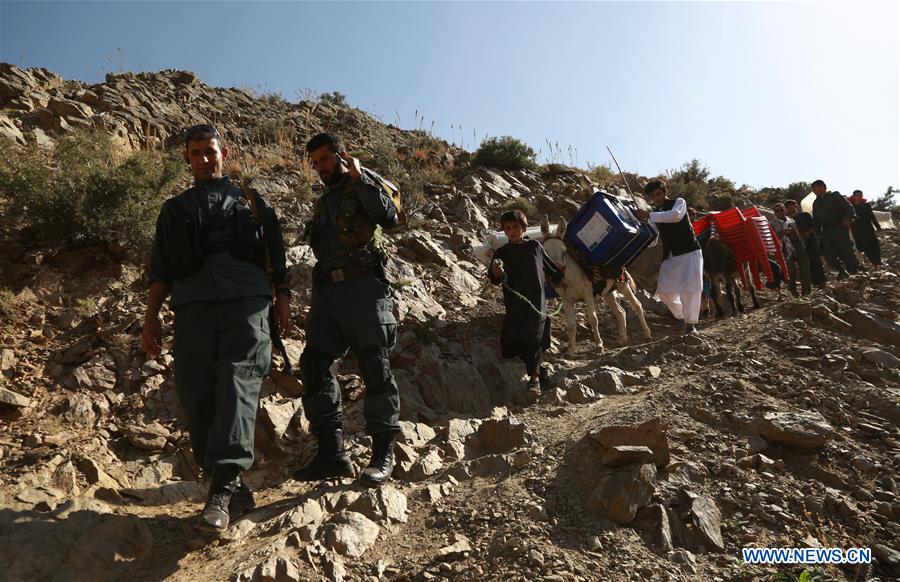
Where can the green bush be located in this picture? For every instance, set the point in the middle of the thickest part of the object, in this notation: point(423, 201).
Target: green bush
point(276, 131)
point(334, 98)
point(887, 202)
point(694, 193)
point(522, 204)
point(414, 187)
point(719, 202)
point(506, 153)
point(81, 192)
point(602, 174)
point(273, 98)
point(693, 171)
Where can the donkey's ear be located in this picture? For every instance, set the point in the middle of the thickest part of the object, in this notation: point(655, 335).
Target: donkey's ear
point(545, 227)
point(561, 227)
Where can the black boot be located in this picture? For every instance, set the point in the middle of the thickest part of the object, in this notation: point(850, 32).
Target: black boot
point(241, 501)
point(225, 482)
point(330, 462)
point(382, 463)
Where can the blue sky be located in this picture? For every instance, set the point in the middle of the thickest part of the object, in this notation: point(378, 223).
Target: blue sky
point(765, 93)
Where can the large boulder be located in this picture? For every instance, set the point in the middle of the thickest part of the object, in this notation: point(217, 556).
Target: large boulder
point(802, 430)
point(874, 327)
point(620, 493)
point(648, 434)
point(71, 544)
point(350, 533)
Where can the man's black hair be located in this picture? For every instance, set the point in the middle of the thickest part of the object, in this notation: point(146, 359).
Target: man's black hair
point(653, 185)
point(818, 183)
point(514, 215)
point(201, 132)
point(329, 139)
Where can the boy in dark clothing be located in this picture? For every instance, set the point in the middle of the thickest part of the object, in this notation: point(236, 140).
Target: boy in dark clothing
point(520, 265)
point(864, 228)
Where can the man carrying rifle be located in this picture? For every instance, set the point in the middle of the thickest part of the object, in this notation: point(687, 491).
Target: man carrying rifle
point(211, 251)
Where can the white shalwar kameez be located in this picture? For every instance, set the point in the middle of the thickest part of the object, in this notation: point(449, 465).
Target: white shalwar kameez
point(680, 283)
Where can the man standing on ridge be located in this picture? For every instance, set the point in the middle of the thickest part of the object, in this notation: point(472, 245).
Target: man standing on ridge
point(212, 247)
point(680, 283)
point(351, 309)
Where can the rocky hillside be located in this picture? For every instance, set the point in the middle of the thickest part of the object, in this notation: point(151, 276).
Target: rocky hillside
point(654, 461)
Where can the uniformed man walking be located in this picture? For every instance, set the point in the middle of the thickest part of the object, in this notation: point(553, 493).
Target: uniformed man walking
point(351, 309)
point(211, 249)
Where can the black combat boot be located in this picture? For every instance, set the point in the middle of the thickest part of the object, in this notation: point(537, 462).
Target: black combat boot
point(225, 482)
point(382, 463)
point(331, 460)
point(241, 501)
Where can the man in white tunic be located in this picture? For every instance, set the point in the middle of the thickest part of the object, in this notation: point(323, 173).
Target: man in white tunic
point(680, 283)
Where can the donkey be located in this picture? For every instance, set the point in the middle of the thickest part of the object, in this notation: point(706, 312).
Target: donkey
point(578, 286)
point(720, 264)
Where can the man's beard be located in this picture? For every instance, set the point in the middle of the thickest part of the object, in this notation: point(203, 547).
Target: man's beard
point(334, 178)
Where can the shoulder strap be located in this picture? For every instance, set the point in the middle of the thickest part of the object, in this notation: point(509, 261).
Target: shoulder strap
point(392, 191)
point(250, 196)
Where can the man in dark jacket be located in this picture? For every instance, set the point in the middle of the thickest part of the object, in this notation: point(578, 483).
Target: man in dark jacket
point(864, 228)
point(351, 309)
point(833, 215)
point(209, 251)
point(793, 249)
point(806, 228)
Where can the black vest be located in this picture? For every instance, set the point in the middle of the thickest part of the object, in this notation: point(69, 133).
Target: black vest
point(677, 237)
point(190, 234)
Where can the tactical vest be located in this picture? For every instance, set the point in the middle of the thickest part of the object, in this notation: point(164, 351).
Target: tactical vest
point(189, 236)
point(677, 237)
point(355, 229)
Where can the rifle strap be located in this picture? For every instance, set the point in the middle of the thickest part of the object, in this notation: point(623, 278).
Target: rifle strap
point(251, 200)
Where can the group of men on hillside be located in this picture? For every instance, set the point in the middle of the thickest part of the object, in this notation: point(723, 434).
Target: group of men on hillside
point(219, 253)
point(805, 237)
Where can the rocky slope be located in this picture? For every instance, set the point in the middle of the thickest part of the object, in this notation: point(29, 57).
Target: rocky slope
point(659, 460)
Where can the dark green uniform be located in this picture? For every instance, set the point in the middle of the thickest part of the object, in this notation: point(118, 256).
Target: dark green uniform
point(209, 249)
point(351, 306)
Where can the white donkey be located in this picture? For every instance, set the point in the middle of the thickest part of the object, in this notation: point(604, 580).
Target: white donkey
point(577, 286)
